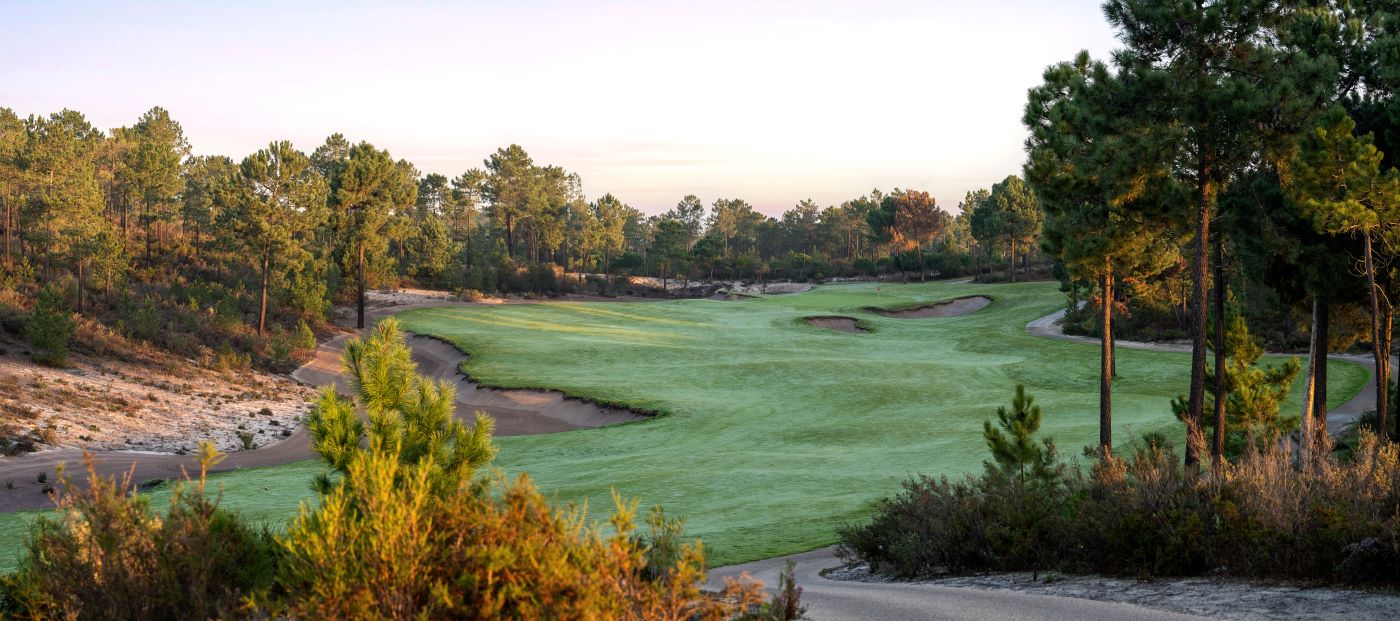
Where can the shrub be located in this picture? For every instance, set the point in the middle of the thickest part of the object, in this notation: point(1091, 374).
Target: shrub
point(279, 349)
point(305, 338)
point(13, 311)
point(1141, 514)
point(49, 329)
point(540, 278)
point(403, 408)
point(385, 544)
point(407, 531)
point(108, 556)
point(404, 529)
point(225, 359)
point(92, 336)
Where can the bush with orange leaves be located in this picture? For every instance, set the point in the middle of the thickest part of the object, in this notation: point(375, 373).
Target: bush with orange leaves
point(383, 545)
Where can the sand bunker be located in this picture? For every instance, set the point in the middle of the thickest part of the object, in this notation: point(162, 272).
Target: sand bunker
point(770, 288)
point(517, 412)
point(837, 323)
point(951, 308)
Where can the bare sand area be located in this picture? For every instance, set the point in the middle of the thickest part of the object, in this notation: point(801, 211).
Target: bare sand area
point(156, 402)
point(951, 308)
point(837, 323)
point(190, 403)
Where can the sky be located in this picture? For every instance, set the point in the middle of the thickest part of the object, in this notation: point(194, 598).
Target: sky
point(771, 102)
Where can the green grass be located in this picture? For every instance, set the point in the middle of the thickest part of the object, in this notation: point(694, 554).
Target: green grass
point(774, 432)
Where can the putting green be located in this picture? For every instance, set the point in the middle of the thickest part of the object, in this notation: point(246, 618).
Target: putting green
point(774, 431)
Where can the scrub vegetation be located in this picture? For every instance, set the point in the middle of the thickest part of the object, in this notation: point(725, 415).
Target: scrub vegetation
point(406, 527)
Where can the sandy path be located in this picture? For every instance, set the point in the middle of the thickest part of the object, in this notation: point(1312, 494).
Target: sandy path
point(516, 412)
point(1337, 418)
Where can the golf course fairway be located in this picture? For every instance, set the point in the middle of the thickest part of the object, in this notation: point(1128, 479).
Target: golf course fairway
point(771, 431)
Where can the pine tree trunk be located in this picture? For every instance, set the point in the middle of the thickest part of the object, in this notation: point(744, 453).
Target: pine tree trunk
point(1386, 335)
point(1199, 275)
point(1378, 347)
point(262, 307)
point(1320, 333)
point(360, 298)
point(1217, 452)
point(1106, 366)
point(510, 239)
point(1113, 340)
point(1011, 265)
point(80, 285)
point(147, 229)
point(9, 230)
point(1306, 437)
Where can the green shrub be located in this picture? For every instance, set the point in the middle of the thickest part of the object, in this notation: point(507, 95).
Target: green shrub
point(305, 338)
point(1141, 514)
point(49, 329)
point(540, 278)
point(307, 295)
point(279, 348)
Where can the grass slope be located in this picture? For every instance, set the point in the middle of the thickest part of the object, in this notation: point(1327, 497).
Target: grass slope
point(775, 431)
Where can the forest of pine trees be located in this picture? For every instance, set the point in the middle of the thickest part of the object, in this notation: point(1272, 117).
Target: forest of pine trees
point(136, 232)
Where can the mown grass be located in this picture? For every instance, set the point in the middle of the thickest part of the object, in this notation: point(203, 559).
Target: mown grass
point(774, 431)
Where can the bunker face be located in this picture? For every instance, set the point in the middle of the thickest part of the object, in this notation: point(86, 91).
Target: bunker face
point(952, 308)
point(837, 323)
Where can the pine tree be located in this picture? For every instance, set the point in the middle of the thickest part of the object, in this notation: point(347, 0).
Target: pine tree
point(49, 328)
point(282, 199)
point(1101, 192)
point(1253, 392)
point(1015, 453)
point(1337, 180)
point(409, 415)
point(1213, 86)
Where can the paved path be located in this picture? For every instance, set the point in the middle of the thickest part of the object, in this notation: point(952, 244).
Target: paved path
point(837, 600)
point(1050, 326)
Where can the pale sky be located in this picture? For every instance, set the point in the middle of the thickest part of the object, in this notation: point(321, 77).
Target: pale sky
point(771, 102)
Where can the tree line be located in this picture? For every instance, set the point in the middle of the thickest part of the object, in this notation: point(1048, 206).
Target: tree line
point(127, 219)
point(1229, 147)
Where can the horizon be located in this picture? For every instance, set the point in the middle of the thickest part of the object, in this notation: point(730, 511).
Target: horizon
point(772, 103)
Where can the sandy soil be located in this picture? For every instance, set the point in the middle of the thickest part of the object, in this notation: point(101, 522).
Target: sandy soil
point(838, 323)
point(952, 308)
point(161, 403)
point(516, 412)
